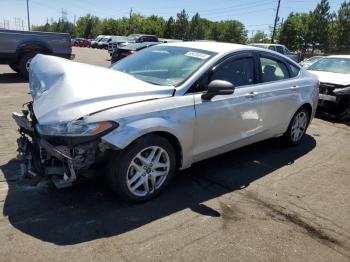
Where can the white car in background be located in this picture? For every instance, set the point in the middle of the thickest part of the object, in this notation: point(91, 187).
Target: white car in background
point(334, 74)
point(161, 109)
point(309, 61)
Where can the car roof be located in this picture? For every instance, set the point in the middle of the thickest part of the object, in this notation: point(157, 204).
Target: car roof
point(265, 44)
point(137, 46)
point(217, 47)
point(339, 56)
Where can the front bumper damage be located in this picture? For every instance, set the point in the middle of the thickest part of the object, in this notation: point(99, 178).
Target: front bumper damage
point(334, 100)
point(52, 156)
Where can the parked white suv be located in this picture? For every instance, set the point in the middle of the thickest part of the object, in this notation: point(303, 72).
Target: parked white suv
point(159, 110)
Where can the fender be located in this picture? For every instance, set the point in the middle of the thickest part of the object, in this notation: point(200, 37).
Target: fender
point(128, 132)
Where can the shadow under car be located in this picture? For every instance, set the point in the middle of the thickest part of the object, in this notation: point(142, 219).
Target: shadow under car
point(89, 210)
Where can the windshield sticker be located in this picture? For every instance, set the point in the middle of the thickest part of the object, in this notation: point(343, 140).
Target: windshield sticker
point(197, 55)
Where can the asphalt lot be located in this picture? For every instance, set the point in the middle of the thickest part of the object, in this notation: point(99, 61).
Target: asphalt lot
point(265, 202)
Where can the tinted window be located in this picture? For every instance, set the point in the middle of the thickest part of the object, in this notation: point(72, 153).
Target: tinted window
point(294, 70)
point(273, 70)
point(151, 39)
point(279, 49)
point(239, 72)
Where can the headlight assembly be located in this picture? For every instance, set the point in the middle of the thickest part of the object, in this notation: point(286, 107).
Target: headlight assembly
point(76, 128)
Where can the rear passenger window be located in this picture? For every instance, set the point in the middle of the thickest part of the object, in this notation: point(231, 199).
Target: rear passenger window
point(280, 49)
point(273, 70)
point(294, 70)
point(239, 72)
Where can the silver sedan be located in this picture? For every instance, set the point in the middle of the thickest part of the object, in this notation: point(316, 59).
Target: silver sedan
point(159, 110)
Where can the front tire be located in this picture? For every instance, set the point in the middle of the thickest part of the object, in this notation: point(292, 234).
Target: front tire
point(297, 127)
point(143, 170)
point(24, 63)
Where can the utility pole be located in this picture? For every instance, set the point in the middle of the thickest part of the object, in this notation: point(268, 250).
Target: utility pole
point(276, 19)
point(130, 23)
point(28, 15)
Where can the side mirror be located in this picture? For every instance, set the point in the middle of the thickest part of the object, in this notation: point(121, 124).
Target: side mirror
point(218, 87)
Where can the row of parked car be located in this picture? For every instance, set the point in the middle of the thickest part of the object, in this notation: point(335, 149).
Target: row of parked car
point(108, 41)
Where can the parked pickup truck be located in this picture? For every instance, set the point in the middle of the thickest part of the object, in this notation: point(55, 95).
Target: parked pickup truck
point(17, 48)
point(280, 49)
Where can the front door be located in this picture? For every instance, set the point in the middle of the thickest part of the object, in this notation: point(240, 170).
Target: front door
point(227, 119)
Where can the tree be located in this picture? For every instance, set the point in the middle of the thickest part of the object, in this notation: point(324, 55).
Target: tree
point(292, 32)
point(169, 31)
point(259, 37)
point(181, 25)
point(154, 25)
point(320, 20)
point(231, 31)
point(197, 30)
point(88, 26)
point(342, 28)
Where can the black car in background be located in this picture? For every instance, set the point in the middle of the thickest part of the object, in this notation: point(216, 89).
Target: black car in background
point(130, 39)
point(130, 49)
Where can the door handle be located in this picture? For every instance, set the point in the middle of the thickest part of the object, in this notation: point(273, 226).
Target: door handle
point(251, 94)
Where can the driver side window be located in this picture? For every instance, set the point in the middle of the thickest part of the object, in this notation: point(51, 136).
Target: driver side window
point(239, 72)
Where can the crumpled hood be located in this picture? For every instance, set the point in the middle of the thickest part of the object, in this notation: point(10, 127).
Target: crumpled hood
point(64, 90)
point(332, 78)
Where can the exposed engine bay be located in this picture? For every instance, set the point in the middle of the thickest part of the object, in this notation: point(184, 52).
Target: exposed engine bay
point(57, 157)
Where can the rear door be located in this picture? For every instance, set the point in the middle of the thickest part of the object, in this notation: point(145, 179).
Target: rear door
point(279, 94)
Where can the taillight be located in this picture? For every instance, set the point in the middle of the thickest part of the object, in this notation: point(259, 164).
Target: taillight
point(126, 53)
point(318, 85)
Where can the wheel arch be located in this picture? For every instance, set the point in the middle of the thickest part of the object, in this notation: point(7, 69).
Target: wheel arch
point(308, 106)
point(122, 141)
point(37, 47)
point(174, 141)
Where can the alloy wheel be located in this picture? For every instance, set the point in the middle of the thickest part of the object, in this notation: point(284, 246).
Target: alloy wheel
point(28, 64)
point(148, 171)
point(299, 126)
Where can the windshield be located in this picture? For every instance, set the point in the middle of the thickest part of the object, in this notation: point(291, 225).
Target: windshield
point(163, 65)
point(104, 39)
point(334, 65)
point(132, 38)
point(314, 58)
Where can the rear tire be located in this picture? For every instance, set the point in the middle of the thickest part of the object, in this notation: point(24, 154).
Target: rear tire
point(143, 170)
point(297, 127)
point(24, 63)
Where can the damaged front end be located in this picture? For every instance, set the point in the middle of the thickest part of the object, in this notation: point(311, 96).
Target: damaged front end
point(334, 100)
point(63, 157)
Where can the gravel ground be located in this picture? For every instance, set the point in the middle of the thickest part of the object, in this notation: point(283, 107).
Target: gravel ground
point(265, 202)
